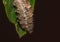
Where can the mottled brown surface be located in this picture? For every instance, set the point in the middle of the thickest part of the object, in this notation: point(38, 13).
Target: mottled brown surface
point(25, 15)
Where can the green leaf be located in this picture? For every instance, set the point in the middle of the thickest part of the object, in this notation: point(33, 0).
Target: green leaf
point(32, 2)
point(20, 32)
point(10, 13)
point(10, 10)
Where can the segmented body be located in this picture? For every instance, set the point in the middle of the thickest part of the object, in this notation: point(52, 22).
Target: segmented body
point(25, 14)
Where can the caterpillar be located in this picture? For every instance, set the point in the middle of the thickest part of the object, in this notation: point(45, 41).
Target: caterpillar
point(24, 14)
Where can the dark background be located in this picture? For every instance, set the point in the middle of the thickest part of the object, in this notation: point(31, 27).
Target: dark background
point(46, 23)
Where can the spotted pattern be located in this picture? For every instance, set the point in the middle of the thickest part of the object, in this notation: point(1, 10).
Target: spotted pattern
point(25, 14)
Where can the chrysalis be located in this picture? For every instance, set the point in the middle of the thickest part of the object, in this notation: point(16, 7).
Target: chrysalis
point(24, 14)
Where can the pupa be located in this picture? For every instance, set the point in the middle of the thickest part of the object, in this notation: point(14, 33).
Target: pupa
point(24, 14)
